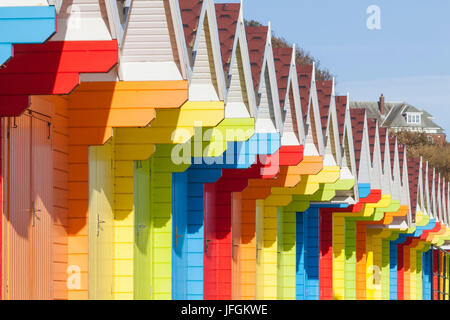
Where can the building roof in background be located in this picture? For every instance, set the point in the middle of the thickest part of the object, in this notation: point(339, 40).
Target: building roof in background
point(394, 114)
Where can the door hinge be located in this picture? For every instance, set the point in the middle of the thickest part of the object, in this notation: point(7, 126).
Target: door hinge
point(49, 130)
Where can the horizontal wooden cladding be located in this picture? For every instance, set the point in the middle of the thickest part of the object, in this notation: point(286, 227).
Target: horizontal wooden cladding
point(97, 107)
point(38, 21)
point(134, 86)
point(50, 68)
point(55, 108)
point(95, 111)
point(129, 95)
point(63, 57)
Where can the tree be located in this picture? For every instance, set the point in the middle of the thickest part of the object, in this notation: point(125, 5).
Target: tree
point(420, 144)
point(301, 56)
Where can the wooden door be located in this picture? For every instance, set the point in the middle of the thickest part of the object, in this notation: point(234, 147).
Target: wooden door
point(179, 234)
point(29, 208)
point(236, 236)
point(142, 235)
point(42, 205)
point(19, 208)
point(101, 220)
point(210, 245)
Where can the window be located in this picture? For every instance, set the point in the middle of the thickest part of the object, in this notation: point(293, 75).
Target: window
point(413, 118)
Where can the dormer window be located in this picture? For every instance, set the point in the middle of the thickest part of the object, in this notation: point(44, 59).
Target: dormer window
point(413, 118)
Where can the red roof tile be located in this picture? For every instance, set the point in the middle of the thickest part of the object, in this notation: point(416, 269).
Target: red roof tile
point(304, 74)
point(392, 149)
point(190, 15)
point(413, 177)
point(256, 39)
point(324, 89)
point(282, 58)
point(341, 106)
point(357, 119)
point(227, 18)
point(382, 132)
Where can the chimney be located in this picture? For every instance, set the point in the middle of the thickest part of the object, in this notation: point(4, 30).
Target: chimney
point(382, 104)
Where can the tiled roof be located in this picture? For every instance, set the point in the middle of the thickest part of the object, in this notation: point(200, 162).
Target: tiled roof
point(393, 114)
point(190, 15)
point(227, 18)
point(324, 89)
point(397, 119)
point(392, 149)
point(256, 39)
point(357, 117)
point(382, 132)
point(304, 73)
point(341, 105)
point(282, 58)
point(372, 127)
point(373, 107)
point(413, 177)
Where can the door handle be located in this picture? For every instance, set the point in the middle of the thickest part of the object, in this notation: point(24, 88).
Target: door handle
point(233, 246)
point(33, 214)
point(139, 227)
point(176, 237)
point(257, 253)
point(98, 224)
point(206, 245)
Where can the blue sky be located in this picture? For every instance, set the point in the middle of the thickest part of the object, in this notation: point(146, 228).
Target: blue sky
point(407, 60)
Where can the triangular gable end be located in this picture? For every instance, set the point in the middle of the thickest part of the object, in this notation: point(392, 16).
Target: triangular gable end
point(387, 170)
point(332, 147)
point(314, 144)
point(420, 203)
point(448, 204)
point(240, 100)
point(152, 54)
point(438, 199)
point(348, 161)
point(405, 195)
point(364, 158)
point(433, 196)
point(427, 199)
point(268, 119)
point(376, 170)
point(79, 20)
point(293, 131)
point(396, 182)
point(207, 81)
point(444, 207)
